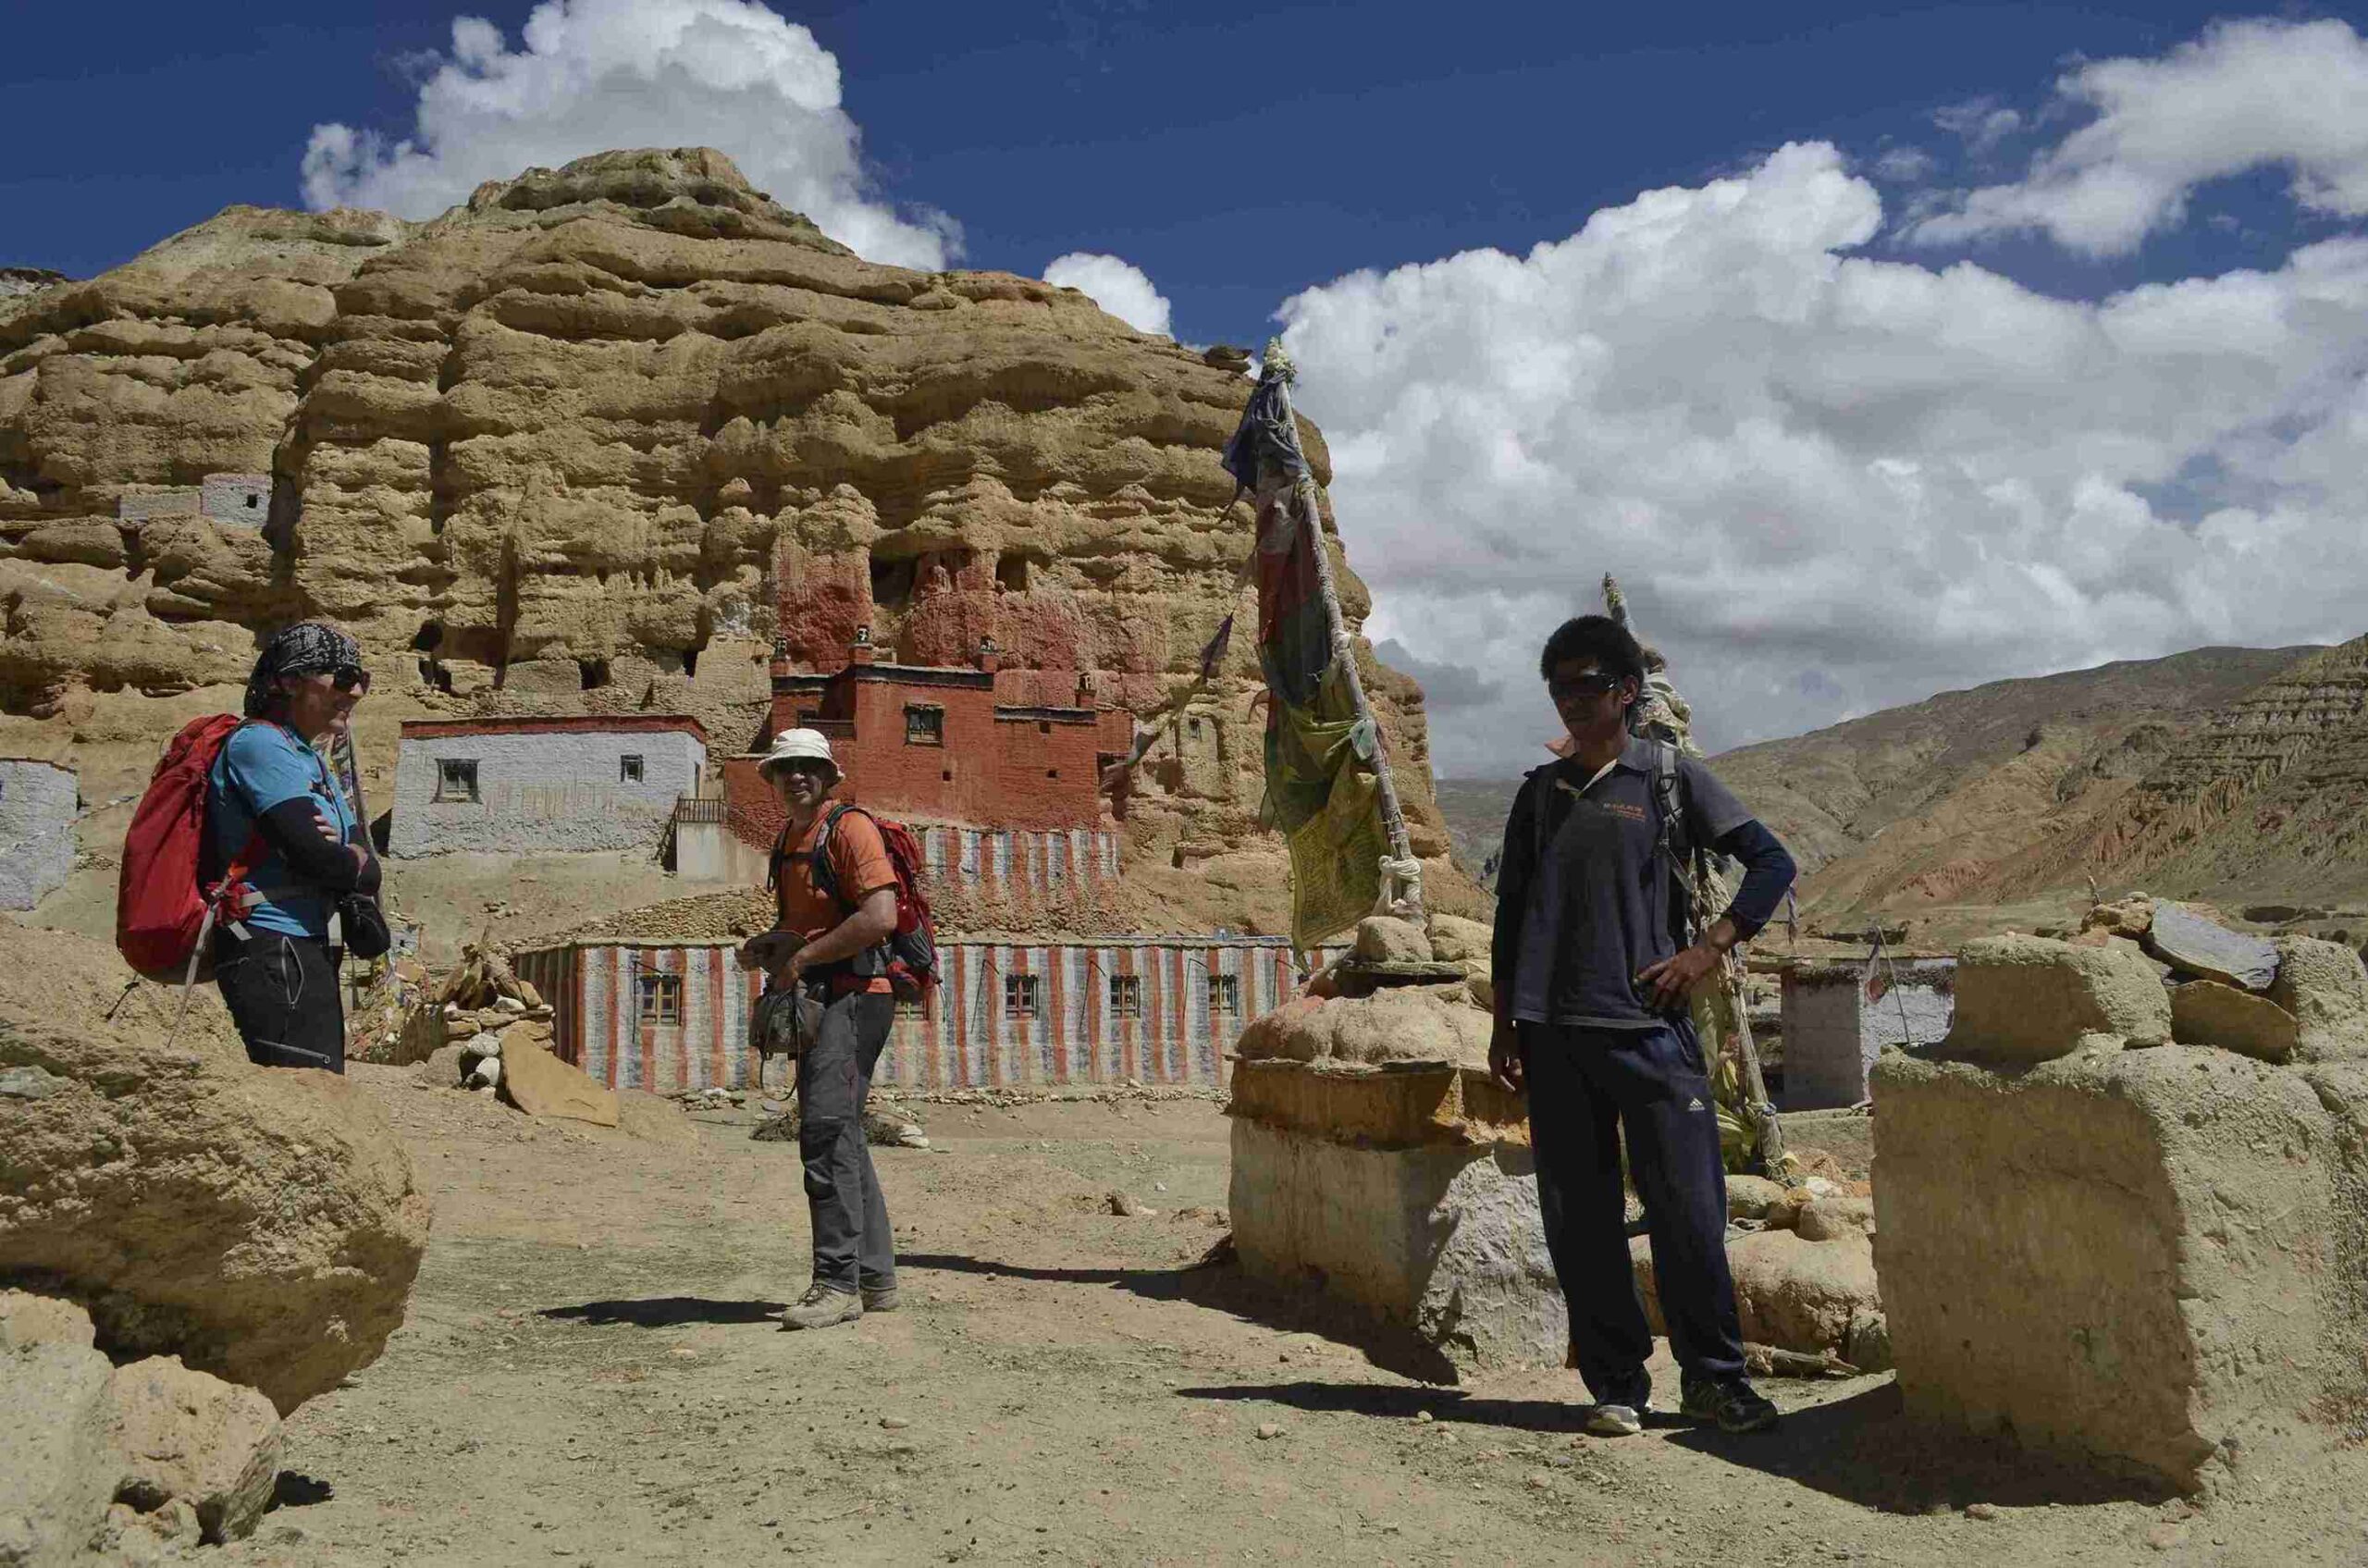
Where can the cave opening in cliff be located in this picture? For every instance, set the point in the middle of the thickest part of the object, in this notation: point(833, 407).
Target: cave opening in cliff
point(1011, 574)
point(892, 581)
point(691, 663)
point(594, 672)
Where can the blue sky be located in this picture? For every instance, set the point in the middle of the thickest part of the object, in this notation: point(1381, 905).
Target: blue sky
point(1877, 351)
point(1236, 153)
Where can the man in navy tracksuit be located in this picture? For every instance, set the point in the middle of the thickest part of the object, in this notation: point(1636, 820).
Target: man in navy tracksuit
point(1592, 965)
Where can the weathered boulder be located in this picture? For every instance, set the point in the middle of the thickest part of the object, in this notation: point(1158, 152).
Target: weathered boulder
point(190, 1435)
point(1790, 1293)
point(443, 1067)
point(2187, 940)
point(58, 1466)
point(1385, 939)
point(1400, 1024)
point(1751, 1197)
point(1834, 1218)
point(541, 1085)
point(2325, 987)
point(2205, 1012)
point(27, 1320)
point(2028, 998)
point(2151, 1257)
point(1457, 940)
point(2130, 917)
point(262, 1224)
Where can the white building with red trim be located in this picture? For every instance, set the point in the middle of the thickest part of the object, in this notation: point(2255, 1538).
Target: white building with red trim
point(521, 785)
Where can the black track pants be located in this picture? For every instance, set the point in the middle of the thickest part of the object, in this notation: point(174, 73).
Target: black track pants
point(283, 995)
point(1585, 1087)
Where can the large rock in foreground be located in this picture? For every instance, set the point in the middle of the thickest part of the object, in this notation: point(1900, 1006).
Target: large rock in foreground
point(2148, 1257)
point(58, 1466)
point(260, 1224)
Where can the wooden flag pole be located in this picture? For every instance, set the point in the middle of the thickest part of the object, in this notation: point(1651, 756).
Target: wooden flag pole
point(1402, 880)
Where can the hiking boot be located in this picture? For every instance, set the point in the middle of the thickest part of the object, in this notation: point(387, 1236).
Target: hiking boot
point(1622, 1414)
point(1733, 1402)
point(821, 1307)
point(880, 1297)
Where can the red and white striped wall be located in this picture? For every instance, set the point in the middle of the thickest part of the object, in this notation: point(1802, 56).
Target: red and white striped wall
point(1047, 861)
point(1153, 1010)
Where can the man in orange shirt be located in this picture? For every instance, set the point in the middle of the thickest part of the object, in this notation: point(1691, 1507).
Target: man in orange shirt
point(837, 953)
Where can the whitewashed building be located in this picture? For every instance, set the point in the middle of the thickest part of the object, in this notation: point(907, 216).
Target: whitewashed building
point(38, 804)
point(1836, 1023)
point(669, 1016)
point(537, 786)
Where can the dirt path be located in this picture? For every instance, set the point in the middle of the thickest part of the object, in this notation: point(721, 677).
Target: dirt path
point(588, 1377)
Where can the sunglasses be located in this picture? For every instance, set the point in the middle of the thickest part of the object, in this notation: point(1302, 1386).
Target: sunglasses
point(349, 677)
point(1582, 686)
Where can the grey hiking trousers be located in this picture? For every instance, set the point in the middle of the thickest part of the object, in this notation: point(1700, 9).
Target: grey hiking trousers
point(853, 1246)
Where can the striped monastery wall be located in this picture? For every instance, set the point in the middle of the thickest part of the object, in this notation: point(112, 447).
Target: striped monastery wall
point(1009, 1015)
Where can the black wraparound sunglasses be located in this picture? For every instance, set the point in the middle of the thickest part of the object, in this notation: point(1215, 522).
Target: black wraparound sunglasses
point(349, 677)
point(1581, 687)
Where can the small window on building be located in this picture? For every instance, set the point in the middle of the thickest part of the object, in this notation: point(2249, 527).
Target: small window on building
point(1019, 996)
point(1225, 995)
point(456, 779)
point(661, 997)
point(1125, 997)
point(924, 725)
point(251, 499)
point(629, 768)
point(1193, 726)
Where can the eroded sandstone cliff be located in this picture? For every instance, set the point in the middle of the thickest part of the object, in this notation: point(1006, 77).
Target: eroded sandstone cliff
point(602, 438)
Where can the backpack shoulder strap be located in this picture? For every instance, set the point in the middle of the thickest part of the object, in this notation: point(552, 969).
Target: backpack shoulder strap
point(1669, 795)
point(826, 880)
point(1674, 841)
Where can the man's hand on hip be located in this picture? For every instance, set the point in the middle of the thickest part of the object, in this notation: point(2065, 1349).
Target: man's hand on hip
point(1673, 979)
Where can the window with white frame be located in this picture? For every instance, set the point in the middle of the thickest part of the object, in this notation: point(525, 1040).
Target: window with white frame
point(629, 768)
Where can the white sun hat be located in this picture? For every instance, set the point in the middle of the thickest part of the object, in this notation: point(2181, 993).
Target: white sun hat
point(799, 745)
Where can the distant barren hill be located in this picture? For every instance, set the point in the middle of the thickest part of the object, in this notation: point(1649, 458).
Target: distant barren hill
point(1925, 804)
point(1994, 795)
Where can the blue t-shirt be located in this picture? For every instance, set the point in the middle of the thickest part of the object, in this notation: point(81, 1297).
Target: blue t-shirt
point(261, 766)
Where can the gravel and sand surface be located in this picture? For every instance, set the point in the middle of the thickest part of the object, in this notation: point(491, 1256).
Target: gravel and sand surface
point(590, 1375)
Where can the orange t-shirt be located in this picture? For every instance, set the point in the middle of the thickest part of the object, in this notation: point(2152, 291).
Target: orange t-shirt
point(859, 865)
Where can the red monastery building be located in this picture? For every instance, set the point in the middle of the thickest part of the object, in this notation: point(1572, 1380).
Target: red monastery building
point(1017, 750)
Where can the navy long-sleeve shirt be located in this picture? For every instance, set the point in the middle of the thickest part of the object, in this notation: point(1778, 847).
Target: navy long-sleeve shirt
point(1586, 902)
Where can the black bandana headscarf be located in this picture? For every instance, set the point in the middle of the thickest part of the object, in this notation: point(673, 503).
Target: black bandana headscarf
point(311, 648)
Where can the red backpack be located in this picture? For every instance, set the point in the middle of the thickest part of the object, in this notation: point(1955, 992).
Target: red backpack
point(912, 946)
point(161, 915)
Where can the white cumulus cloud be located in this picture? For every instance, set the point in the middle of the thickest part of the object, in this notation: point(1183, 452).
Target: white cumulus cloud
point(1119, 287)
point(2244, 95)
point(1831, 482)
point(592, 75)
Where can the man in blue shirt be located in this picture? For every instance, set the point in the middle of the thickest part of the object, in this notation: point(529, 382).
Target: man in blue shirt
point(272, 805)
point(1592, 964)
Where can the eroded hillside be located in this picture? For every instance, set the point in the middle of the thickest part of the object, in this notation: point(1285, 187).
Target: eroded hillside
point(601, 438)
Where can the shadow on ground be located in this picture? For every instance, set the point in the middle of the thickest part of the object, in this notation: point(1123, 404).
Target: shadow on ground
point(1216, 1283)
point(665, 1312)
point(1860, 1448)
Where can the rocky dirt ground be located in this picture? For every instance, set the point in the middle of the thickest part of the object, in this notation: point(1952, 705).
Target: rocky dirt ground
point(589, 1375)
